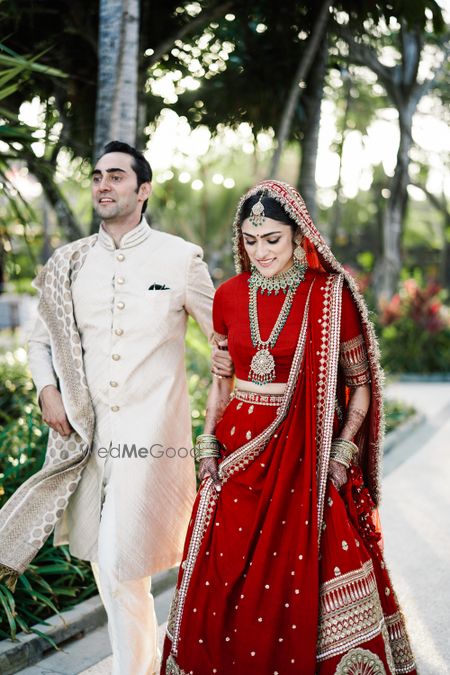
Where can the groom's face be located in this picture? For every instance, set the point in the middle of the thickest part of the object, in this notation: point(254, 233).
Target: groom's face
point(115, 190)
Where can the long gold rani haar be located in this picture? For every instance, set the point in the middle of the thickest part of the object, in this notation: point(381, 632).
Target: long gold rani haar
point(262, 367)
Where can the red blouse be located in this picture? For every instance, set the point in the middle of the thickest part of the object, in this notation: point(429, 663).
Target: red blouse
point(230, 317)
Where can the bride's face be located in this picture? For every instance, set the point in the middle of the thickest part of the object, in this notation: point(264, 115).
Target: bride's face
point(269, 246)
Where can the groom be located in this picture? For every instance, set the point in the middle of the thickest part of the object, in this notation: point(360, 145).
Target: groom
point(125, 300)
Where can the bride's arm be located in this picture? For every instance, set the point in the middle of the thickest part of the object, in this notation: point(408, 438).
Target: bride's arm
point(218, 398)
point(356, 413)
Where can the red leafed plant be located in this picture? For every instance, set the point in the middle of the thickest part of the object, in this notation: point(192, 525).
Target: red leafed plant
point(415, 334)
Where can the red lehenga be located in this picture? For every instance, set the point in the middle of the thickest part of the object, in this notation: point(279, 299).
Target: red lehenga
point(281, 573)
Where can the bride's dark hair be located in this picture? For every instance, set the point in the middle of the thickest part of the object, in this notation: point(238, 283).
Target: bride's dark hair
point(272, 209)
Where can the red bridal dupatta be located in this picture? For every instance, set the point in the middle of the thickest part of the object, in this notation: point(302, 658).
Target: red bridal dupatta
point(281, 574)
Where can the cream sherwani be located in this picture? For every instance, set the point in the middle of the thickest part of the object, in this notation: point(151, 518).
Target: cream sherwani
point(131, 306)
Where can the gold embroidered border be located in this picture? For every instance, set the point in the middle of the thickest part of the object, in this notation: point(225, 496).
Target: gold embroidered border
point(354, 361)
point(326, 383)
point(350, 612)
point(399, 643)
point(258, 399)
point(172, 614)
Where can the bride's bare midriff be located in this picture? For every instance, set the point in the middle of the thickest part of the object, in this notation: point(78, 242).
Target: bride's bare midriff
point(271, 388)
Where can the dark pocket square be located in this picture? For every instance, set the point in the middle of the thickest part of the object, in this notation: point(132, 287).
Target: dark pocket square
point(158, 287)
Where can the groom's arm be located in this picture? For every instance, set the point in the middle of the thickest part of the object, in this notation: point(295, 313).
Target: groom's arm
point(45, 380)
point(40, 357)
point(198, 303)
point(199, 293)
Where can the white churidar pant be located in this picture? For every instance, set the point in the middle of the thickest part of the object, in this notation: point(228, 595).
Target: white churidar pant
point(132, 623)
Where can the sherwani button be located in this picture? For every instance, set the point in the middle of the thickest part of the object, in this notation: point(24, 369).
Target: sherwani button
point(115, 357)
point(120, 280)
point(113, 383)
point(118, 331)
point(115, 408)
point(120, 305)
point(120, 257)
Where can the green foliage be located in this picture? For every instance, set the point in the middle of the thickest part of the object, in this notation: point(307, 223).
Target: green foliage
point(199, 377)
point(415, 330)
point(396, 413)
point(55, 581)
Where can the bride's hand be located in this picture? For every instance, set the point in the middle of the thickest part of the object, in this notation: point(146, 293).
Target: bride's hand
point(337, 474)
point(210, 467)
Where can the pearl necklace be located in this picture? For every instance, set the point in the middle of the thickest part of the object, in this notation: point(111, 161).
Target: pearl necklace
point(262, 367)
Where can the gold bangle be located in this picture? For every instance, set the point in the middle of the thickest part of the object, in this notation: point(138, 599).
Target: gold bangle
point(343, 451)
point(206, 445)
point(206, 455)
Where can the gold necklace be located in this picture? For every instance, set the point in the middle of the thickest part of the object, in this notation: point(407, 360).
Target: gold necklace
point(262, 367)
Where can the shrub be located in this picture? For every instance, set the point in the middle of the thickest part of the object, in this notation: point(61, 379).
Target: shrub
point(55, 581)
point(415, 330)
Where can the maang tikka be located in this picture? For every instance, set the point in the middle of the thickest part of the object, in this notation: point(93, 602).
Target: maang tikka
point(257, 214)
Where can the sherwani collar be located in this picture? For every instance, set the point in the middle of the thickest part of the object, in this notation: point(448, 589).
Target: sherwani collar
point(132, 238)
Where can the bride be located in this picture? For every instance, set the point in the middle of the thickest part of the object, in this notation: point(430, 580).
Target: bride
point(282, 569)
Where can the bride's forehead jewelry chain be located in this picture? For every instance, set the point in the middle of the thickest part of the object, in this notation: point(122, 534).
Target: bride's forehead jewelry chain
point(257, 214)
point(262, 367)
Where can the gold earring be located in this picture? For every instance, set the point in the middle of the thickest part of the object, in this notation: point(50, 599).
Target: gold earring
point(299, 253)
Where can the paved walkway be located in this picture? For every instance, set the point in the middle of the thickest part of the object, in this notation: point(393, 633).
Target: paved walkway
point(415, 514)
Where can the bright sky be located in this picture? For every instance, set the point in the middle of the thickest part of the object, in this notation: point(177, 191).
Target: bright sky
point(175, 145)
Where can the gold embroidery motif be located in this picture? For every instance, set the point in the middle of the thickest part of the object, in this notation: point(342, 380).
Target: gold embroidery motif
point(360, 662)
point(172, 613)
point(399, 643)
point(387, 649)
point(350, 612)
point(354, 362)
point(172, 668)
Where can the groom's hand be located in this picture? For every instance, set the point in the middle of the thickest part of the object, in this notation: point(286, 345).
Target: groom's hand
point(53, 411)
point(222, 365)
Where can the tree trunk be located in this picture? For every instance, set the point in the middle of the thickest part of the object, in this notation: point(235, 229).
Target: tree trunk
point(304, 65)
point(310, 143)
point(116, 112)
point(337, 211)
point(64, 214)
point(405, 91)
point(387, 270)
